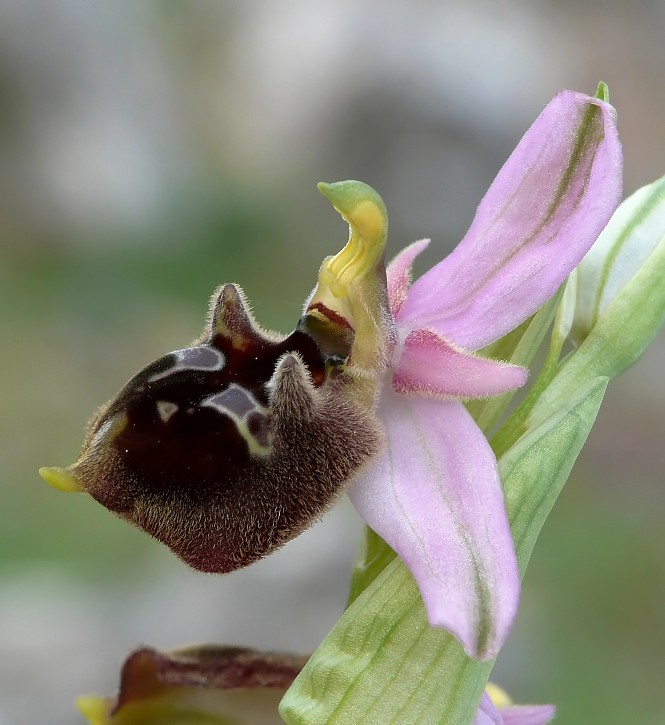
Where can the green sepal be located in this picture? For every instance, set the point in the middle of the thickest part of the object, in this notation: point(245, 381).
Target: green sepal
point(382, 662)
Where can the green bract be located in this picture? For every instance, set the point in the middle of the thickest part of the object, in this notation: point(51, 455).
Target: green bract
point(382, 662)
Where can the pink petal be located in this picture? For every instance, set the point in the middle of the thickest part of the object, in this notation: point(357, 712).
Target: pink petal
point(434, 495)
point(514, 715)
point(399, 274)
point(545, 208)
point(487, 713)
point(432, 367)
point(527, 714)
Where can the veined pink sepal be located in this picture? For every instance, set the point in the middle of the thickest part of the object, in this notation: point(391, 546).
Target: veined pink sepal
point(434, 495)
point(542, 213)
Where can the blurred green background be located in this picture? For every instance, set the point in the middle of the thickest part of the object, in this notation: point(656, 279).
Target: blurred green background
point(151, 151)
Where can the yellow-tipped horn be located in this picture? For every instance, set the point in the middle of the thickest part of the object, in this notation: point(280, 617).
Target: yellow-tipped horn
point(61, 479)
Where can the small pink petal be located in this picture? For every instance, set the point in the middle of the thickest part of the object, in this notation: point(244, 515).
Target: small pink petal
point(432, 367)
point(543, 211)
point(527, 714)
point(434, 495)
point(399, 274)
point(487, 713)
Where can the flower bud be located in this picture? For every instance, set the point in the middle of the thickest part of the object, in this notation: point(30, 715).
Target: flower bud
point(629, 244)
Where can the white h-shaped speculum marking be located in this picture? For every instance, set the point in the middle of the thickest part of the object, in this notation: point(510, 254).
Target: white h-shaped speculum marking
point(238, 404)
point(193, 358)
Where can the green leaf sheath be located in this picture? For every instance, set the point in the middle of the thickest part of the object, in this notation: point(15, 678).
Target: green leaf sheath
point(535, 469)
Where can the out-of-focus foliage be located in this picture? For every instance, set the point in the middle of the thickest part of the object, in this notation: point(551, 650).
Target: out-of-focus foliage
point(152, 151)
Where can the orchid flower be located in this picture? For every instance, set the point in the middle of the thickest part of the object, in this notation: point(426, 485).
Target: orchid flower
point(227, 449)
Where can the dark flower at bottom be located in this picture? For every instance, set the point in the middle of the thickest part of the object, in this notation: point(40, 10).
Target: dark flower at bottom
point(204, 685)
point(216, 685)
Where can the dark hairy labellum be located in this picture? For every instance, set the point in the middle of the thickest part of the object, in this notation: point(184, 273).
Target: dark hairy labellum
point(227, 449)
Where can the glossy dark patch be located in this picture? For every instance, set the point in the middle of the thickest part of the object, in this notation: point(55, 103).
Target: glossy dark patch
point(195, 443)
